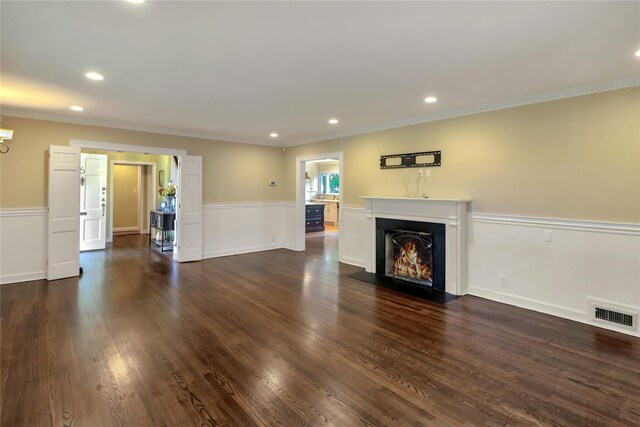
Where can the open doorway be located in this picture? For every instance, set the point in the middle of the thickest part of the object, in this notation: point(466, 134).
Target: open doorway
point(130, 190)
point(322, 194)
point(319, 197)
point(64, 191)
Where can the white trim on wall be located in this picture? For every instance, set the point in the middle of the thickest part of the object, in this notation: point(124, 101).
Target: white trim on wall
point(125, 148)
point(127, 230)
point(562, 224)
point(12, 212)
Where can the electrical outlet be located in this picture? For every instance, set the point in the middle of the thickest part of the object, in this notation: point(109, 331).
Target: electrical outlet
point(503, 280)
point(273, 238)
point(548, 236)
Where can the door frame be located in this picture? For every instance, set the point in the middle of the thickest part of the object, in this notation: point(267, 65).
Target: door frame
point(108, 146)
point(150, 194)
point(104, 196)
point(300, 196)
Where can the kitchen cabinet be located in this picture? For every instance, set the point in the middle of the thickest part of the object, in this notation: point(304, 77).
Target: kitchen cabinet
point(314, 217)
point(331, 212)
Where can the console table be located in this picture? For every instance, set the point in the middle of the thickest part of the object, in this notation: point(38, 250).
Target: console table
point(163, 222)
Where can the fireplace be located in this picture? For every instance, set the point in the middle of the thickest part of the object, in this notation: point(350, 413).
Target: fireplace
point(412, 252)
point(409, 256)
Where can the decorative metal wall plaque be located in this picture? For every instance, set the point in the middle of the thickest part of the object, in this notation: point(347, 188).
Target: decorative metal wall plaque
point(424, 159)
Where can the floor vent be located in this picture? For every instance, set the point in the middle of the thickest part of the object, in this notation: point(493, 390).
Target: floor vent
point(614, 317)
point(623, 316)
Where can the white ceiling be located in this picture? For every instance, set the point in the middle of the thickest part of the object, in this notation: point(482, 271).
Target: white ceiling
point(241, 70)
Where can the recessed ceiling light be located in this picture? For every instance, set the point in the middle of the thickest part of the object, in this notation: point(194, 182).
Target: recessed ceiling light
point(274, 135)
point(76, 108)
point(638, 53)
point(333, 121)
point(94, 76)
point(136, 1)
point(430, 99)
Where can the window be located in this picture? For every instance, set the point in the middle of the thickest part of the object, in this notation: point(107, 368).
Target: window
point(330, 183)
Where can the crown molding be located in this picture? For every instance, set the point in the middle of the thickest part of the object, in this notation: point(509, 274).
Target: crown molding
point(449, 114)
point(41, 115)
point(484, 108)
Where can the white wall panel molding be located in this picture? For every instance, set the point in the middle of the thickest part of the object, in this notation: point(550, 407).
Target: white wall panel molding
point(13, 212)
point(563, 224)
point(584, 261)
point(237, 228)
point(23, 238)
point(241, 205)
point(554, 266)
point(355, 234)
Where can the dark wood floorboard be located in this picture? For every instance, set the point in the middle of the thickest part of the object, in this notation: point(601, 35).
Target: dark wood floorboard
point(281, 338)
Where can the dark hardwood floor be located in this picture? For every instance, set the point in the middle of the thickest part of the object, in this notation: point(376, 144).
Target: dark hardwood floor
point(287, 339)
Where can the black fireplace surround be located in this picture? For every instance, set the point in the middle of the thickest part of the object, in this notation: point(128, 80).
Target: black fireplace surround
point(437, 231)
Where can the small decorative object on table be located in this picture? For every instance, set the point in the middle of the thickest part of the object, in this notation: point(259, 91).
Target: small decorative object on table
point(170, 193)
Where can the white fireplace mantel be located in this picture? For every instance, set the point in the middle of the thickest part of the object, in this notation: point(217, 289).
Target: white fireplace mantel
point(450, 212)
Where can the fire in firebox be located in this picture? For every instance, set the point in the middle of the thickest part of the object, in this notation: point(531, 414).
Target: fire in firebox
point(412, 256)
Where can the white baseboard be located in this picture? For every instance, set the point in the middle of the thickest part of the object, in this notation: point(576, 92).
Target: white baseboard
point(126, 230)
point(242, 250)
point(545, 307)
point(353, 261)
point(23, 277)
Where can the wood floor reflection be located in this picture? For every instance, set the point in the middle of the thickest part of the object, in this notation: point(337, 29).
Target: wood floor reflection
point(282, 338)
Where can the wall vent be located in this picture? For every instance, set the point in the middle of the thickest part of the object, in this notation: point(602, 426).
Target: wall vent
point(606, 312)
point(614, 316)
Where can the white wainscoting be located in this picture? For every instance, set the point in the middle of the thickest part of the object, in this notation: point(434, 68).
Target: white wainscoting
point(237, 228)
point(585, 260)
point(23, 243)
point(355, 237)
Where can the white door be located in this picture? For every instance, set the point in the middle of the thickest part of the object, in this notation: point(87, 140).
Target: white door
point(63, 244)
point(93, 201)
point(189, 198)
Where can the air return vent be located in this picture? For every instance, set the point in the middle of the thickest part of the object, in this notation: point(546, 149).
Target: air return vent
point(614, 316)
point(602, 311)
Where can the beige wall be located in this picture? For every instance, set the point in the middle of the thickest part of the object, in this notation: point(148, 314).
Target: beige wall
point(576, 158)
point(126, 197)
point(231, 172)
